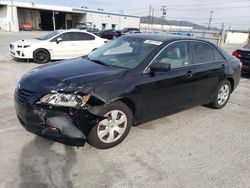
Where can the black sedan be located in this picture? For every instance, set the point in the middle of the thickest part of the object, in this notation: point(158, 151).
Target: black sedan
point(109, 34)
point(244, 55)
point(131, 80)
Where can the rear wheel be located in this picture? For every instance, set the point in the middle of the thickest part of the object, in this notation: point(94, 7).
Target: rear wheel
point(41, 56)
point(114, 128)
point(222, 95)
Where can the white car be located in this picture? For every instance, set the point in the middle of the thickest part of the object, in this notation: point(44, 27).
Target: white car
point(56, 45)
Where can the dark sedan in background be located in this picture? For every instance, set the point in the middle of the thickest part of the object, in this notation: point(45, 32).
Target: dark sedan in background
point(109, 34)
point(133, 79)
point(243, 54)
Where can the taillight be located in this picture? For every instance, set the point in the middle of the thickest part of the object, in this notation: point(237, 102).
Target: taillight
point(236, 53)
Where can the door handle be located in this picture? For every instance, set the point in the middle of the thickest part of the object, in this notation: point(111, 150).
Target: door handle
point(223, 66)
point(189, 74)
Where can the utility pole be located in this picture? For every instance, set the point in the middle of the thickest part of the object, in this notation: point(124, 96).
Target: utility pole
point(149, 16)
point(210, 20)
point(12, 19)
point(164, 13)
point(54, 20)
point(152, 20)
point(221, 37)
point(248, 41)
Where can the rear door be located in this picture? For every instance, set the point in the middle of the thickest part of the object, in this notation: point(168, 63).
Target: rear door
point(85, 43)
point(66, 48)
point(209, 71)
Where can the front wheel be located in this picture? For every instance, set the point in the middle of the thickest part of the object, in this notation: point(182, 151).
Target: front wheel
point(222, 95)
point(41, 56)
point(114, 128)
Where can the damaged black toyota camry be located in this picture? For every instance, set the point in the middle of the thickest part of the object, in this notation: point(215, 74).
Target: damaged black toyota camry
point(131, 80)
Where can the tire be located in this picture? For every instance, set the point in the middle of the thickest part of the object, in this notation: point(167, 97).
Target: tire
point(101, 134)
point(41, 56)
point(219, 101)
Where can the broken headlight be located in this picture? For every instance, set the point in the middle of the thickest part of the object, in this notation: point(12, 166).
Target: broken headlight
point(67, 100)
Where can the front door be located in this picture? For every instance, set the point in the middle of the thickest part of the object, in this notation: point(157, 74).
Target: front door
point(165, 92)
point(66, 48)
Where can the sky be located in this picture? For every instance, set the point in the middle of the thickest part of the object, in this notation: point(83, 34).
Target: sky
point(235, 14)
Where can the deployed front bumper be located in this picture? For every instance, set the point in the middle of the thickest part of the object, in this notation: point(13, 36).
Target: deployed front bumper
point(58, 124)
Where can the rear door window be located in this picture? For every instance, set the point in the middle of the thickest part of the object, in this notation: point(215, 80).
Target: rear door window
point(202, 52)
point(84, 36)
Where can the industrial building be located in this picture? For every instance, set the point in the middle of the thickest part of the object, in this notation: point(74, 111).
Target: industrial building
point(13, 15)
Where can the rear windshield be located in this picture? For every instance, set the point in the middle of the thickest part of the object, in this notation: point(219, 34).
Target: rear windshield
point(247, 46)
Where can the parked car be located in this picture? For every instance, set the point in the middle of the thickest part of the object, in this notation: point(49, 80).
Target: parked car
point(59, 44)
point(132, 32)
point(26, 26)
point(109, 34)
point(243, 54)
point(128, 30)
point(131, 80)
point(92, 30)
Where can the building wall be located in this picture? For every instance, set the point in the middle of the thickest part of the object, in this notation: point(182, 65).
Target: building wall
point(236, 37)
point(158, 27)
point(97, 19)
point(8, 18)
point(3, 18)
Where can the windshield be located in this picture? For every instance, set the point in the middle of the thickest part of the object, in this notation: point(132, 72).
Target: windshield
point(49, 35)
point(124, 52)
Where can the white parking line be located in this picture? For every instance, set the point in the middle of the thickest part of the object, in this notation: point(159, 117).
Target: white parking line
point(10, 129)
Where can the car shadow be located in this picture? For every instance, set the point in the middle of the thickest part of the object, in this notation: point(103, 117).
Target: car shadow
point(41, 166)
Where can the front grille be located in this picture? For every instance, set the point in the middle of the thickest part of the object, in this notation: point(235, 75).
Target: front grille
point(22, 95)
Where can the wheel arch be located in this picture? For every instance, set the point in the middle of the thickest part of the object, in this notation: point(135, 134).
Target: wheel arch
point(131, 105)
point(232, 83)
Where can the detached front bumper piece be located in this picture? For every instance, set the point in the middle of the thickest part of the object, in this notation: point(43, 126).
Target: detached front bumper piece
point(60, 129)
point(57, 126)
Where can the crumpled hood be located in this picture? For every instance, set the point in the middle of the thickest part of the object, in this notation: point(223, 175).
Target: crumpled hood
point(70, 74)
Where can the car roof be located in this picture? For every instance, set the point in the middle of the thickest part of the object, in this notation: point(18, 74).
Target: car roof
point(162, 37)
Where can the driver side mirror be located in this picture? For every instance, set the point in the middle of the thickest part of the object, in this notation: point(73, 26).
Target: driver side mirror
point(160, 67)
point(58, 40)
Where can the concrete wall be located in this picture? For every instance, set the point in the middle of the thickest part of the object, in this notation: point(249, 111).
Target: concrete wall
point(9, 18)
point(3, 15)
point(120, 21)
point(236, 37)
